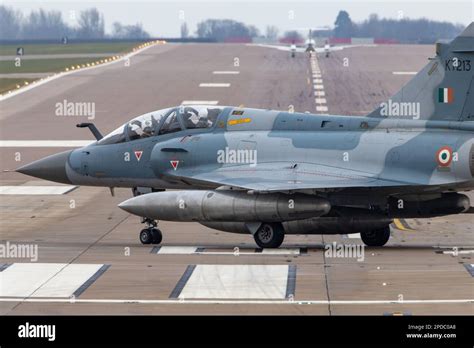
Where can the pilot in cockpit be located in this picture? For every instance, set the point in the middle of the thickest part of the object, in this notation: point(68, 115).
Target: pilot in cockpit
point(196, 119)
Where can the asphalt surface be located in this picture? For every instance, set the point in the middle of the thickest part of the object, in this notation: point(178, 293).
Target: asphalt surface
point(424, 269)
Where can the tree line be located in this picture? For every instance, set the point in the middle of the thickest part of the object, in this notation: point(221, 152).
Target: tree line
point(89, 24)
point(404, 29)
point(48, 25)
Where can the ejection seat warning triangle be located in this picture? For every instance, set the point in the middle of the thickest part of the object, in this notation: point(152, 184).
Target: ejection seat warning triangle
point(174, 164)
point(138, 155)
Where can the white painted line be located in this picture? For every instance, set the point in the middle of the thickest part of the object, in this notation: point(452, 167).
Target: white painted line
point(66, 282)
point(353, 236)
point(281, 251)
point(214, 84)
point(36, 190)
point(44, 279)
point(320, 100)
point(404, 72)
point(190, 250)
point(177, 250)
point(459, 252)
point(317, 81)
point(230, 72)
point(22, 279)
point(318, 86)
point(264, 302)
point(322, 108)
point(199, 102)
point(45, 143)
point(319, 93)
point(66, 73)
point(237, 282)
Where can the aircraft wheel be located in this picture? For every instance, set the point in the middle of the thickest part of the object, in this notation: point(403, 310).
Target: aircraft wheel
point(157, 236)
point(146, 236)
point(378, 237)
point(269, 235)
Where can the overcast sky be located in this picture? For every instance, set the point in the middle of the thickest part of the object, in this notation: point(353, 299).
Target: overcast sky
point(163, 18)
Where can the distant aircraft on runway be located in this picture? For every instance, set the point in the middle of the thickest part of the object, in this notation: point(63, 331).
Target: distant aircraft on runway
point(270, 173)
point(309, 46)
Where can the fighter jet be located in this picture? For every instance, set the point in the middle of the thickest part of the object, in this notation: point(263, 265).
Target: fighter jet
point(270, 173)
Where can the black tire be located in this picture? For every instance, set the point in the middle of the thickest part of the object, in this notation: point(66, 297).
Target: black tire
point(157, 236)
point(269, 235)
point(376, 238)
point(146, 236)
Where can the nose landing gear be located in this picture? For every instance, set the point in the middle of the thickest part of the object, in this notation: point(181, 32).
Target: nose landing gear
point(151, 234)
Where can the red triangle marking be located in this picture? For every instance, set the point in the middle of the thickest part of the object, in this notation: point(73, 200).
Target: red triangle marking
point(138, 155)
point(174, 164)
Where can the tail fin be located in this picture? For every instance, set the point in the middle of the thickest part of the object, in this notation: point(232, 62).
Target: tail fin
point(444, 88)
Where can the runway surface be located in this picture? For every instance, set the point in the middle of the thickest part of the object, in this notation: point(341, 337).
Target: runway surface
point(90, 261)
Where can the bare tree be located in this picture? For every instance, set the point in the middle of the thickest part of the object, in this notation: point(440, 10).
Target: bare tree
point(184, 30)
point(91, 24)
point(271, 33)
point(129, 31)
point(292, 35)
point(10, 23)
point(222, 29)
point(44, 25)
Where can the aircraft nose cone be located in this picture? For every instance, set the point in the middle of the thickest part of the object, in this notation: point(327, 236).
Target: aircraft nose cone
point(134, 206)
point(51, 168)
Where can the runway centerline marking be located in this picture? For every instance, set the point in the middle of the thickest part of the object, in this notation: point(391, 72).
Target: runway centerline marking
point(36, 190)
point(199, 102)
point(45, 143)
point(214, 85)
point(226, 72)
point(404, 72)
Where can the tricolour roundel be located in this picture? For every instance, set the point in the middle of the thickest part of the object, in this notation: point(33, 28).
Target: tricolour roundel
point(444, 156)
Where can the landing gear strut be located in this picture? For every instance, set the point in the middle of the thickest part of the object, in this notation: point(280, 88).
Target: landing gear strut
point(151, 234)
point(269, 235)
point(378, 237)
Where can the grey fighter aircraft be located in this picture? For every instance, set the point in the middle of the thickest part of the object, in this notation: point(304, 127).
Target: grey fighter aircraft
point(270, 173)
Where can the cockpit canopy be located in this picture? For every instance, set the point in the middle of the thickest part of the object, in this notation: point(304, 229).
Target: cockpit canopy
point(164, 121)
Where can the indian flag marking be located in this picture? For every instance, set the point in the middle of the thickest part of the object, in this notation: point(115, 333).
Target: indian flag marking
point(444, 156)
point(445, 95)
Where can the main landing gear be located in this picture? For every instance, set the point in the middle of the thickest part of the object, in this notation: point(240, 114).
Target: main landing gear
point(269, 235)
point(378, 237)
point(150, 234)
